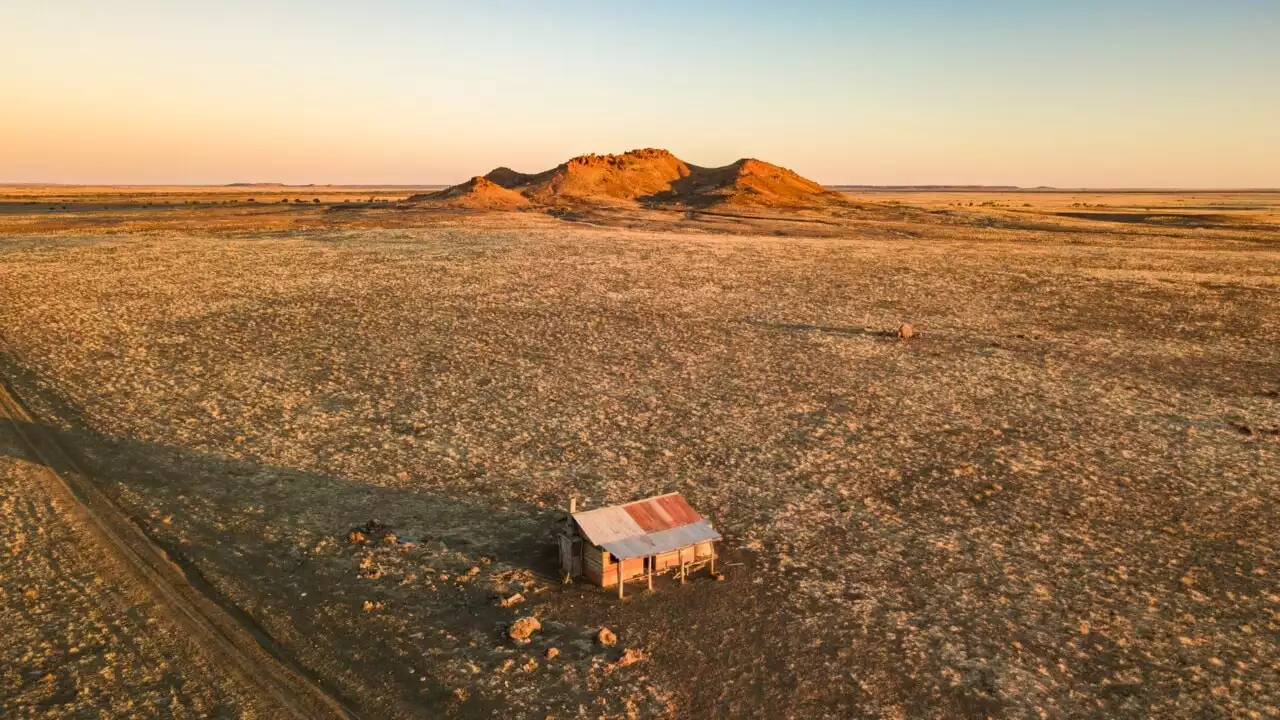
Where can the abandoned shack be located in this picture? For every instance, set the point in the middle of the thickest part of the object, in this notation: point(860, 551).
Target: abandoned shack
point(611, 545)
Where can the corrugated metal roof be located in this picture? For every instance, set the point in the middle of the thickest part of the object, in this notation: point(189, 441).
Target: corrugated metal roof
point(645, 527)
point(675, 507)
point(646, 518)
point(662, 541)
point(607, 524)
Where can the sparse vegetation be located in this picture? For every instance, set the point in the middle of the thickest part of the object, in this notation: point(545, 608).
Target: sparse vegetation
point(1056, 493)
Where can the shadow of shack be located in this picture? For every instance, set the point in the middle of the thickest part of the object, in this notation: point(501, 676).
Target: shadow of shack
point(612, 545)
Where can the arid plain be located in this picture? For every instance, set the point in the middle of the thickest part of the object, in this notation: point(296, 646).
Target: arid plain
point(1061, 499)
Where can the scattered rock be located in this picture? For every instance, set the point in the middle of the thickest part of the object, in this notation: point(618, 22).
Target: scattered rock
point(551, 653)
point(606, 637)
point(718, 577)
point(522, 629)
point(372, 530)
point(513, 600)
point(906, 331)
point(1250, 431)
point(629, 657)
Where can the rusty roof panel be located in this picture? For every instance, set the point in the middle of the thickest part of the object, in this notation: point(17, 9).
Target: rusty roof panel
point(656, 507)
point(662, 512)
point(662, 541)
point(641, 521)
point(679, 510)
point(644, 515)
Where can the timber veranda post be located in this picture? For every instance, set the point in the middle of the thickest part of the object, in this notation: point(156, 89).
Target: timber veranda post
point(649, 561)
point(619, 578)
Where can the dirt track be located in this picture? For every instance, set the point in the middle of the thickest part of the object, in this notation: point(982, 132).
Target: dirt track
point(78, 640)
point(120, 625)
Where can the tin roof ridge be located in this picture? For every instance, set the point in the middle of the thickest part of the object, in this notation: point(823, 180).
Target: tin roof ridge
point(624, 504)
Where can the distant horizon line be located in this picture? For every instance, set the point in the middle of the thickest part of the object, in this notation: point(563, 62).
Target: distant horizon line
point(932, 187)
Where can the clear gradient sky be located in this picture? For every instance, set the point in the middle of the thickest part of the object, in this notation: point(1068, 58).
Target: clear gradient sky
point(1127, 93)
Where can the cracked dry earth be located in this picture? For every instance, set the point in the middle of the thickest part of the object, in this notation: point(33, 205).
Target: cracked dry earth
point(1061, 500)
point(78, 639)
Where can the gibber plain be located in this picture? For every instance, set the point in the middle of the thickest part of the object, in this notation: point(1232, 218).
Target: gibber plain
point(351, 417)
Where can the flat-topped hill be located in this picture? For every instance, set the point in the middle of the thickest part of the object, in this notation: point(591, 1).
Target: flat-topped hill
point(629, 176)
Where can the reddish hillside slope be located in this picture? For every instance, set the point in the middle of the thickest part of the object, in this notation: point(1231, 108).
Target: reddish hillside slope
point(650, 177)
point(628, 176)
point(475, 194)
point(750, 182)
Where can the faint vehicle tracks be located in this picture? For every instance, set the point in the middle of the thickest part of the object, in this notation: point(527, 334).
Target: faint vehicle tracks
point(228, 634)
